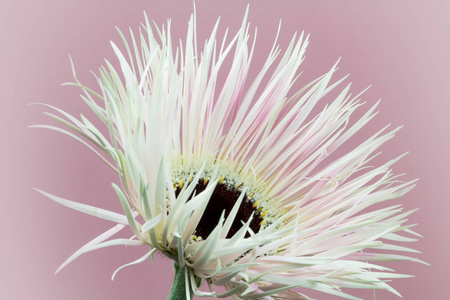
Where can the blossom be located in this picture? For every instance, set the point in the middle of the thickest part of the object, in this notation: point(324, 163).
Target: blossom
point(240, 186)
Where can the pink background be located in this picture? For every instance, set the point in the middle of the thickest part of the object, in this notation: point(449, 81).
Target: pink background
point(401, 47)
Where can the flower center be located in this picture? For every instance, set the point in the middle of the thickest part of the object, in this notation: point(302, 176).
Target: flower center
point(223, 199)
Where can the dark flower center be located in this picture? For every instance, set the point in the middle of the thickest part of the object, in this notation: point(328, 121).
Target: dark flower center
point(222, 199)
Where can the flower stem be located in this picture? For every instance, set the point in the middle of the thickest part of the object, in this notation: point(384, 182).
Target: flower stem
point(178, 291)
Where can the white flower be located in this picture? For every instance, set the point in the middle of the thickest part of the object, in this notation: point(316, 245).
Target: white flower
point(237, 185)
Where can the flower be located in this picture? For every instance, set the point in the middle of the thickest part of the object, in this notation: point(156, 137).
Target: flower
point(240, 186)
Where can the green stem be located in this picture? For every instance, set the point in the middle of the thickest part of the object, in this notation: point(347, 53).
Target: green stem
point(178, 291)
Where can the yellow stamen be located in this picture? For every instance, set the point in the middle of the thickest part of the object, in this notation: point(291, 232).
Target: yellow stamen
point(221, 179)
point(205, 181)
point(180, 183)
point(262, 222)
point(256, 203)
point(264, 213)
point(239, 185)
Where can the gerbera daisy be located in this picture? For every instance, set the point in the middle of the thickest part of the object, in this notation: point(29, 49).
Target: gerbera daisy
point(239, 186)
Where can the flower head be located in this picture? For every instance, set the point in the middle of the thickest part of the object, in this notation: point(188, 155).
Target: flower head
point(238, 185)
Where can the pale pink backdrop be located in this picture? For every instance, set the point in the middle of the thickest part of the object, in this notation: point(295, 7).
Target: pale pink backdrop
point(401, 47)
